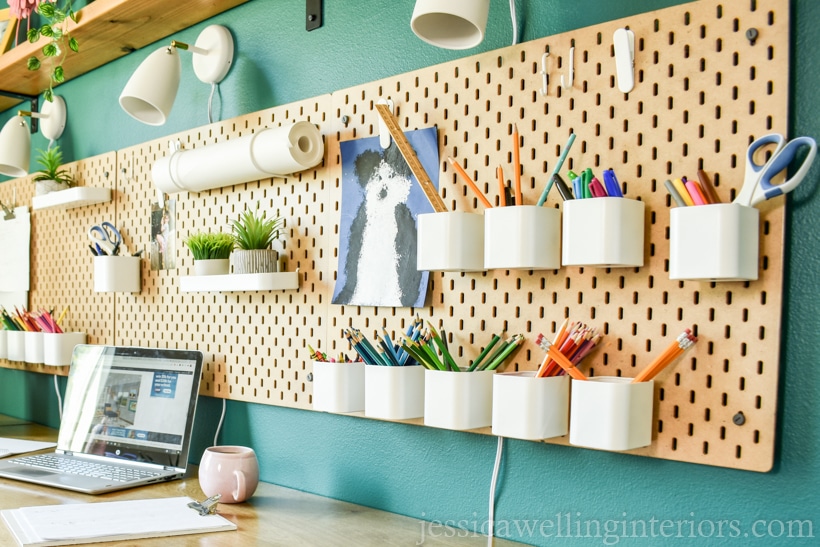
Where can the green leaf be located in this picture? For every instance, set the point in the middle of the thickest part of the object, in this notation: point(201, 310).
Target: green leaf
point(57, 74)
point(33, 63)
point(74, 45)
point(73, 15)
point(33, 35)
point(47, 31)
point(46, 9)
point(48, 95)
point(50, 50)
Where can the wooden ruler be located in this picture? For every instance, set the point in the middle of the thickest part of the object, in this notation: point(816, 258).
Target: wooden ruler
point(410, 157)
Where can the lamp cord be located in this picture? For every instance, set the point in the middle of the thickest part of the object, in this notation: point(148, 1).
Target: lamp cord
point(219, 425)
point(59, 398)
point(210, 103)
point(491, 524)
point(514, 22)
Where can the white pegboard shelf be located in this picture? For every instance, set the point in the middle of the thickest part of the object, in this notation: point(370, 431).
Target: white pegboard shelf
point(79, 196)
point(240, 282)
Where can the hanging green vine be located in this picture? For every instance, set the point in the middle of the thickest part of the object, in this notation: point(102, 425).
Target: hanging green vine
point(55, 28)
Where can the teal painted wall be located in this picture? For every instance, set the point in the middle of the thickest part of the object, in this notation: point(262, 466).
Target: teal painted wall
point(443, 475)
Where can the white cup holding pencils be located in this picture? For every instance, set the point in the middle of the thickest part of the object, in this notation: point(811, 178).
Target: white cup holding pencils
point(717, 242)
point(58, 347)
point(525, 237)
point(611, 413)
point(450, 242)
point(603, 232)
point(530, 408)
point(393, 392)
point(338, 387)
point(458, 400)
point(4, 344)
point(231, 471)
point(16, 345)
point(33, 341)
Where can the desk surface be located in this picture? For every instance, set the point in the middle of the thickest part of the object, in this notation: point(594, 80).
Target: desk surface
point(274, 516)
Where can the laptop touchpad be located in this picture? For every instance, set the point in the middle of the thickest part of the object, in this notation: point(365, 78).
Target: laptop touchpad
point(34, 472)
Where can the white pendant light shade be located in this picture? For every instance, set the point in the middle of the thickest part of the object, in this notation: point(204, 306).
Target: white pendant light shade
point(15, 148)
point(149, 94)
point(450, 24)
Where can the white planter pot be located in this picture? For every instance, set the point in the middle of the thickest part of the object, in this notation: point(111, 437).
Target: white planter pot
point(43, 187)
point(213, 266)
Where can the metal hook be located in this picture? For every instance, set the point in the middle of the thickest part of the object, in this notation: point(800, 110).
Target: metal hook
point(544, 74)
point(568, 85)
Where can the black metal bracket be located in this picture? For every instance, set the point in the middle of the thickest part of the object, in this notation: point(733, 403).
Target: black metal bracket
point(313, 14)
point(35, 105)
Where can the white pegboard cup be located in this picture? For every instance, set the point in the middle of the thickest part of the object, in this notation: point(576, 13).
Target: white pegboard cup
point(393, 393)
point(33, 347)
point(605, 232)
point(117, 274)
point(4, 344)
point(611, 413)
point(523, 237)
point(717, 242)
point(458, 400)
point(58, 347)
point(338, 387)
point(16, 345)
point(451, 242)
point(530, 408)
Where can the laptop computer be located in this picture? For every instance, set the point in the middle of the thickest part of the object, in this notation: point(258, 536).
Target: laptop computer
point(127, 421)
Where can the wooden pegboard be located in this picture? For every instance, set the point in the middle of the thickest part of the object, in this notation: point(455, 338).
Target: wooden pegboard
point(702, 93)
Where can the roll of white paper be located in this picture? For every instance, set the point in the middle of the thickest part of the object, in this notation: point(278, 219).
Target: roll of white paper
point(278, 151)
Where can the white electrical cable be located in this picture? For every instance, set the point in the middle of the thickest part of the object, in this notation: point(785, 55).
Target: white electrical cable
point(59, 397)
point(210, 103)
point(219, 425)
point(491, 525)
point(514, 22)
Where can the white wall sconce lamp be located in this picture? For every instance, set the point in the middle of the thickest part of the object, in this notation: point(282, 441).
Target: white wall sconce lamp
point(150, 92)
point(15, 138)
point(454, 25)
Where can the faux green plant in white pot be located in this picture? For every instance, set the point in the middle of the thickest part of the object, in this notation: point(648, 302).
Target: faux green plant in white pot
point(211, 252)
point(51, 177)
point(254, 233)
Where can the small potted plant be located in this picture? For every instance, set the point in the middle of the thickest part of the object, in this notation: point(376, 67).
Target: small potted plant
point(254, 234)
point(51, 177)
point(211, 252)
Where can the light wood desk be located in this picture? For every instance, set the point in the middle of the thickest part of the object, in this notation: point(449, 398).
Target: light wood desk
point(273, 516)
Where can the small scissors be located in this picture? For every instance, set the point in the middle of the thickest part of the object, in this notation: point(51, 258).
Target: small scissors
point(757, 185)
point(106, 238)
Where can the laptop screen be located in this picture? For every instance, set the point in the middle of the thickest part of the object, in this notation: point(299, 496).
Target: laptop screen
point(131, 403)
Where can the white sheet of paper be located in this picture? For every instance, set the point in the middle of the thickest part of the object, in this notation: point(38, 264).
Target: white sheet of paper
point(90, 522)
point(10, 447)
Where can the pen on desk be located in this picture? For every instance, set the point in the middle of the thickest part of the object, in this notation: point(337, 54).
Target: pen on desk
point(517, 166)
point(556, 169)
point(708, 188)
point(463, 174)
point(676, 197)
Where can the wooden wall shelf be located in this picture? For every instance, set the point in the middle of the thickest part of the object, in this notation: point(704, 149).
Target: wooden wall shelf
point(107, 30)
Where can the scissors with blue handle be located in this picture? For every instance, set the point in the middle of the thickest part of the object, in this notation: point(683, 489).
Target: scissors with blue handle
point(757, 185)
point(106, 238)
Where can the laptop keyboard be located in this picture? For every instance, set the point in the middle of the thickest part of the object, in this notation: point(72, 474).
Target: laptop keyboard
point(75, 466)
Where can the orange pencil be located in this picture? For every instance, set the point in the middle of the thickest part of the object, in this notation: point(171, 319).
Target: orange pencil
point(502, 188)
point(470, 183)
point(517, 166)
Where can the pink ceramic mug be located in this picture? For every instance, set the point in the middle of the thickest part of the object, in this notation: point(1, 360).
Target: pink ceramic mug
point(231, 471)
